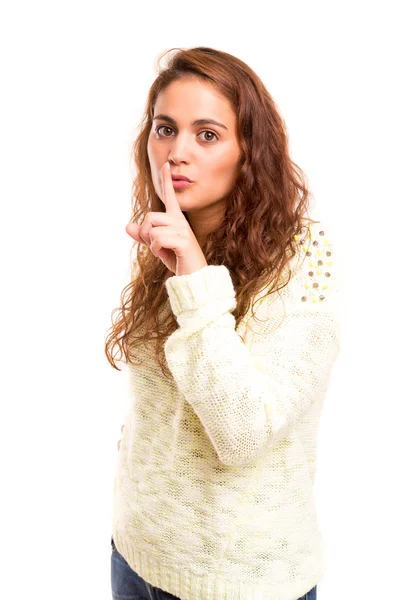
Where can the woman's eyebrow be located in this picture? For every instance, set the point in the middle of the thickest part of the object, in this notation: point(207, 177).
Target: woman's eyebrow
point(197, 122)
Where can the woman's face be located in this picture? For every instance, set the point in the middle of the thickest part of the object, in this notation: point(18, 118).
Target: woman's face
point(207, 153)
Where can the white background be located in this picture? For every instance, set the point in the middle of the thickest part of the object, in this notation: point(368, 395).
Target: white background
point(74, 79)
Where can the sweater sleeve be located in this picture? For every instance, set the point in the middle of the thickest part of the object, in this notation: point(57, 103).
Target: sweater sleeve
point(247, 396)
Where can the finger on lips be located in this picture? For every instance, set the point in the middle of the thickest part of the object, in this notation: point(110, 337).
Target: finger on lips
point(142, 233)
point(169, 196)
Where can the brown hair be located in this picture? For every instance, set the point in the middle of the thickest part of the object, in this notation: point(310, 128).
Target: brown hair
point(264, 210)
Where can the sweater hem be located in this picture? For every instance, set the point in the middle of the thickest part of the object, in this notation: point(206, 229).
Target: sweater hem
point(188, 585)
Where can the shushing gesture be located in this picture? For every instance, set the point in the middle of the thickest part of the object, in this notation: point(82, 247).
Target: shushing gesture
point(169, 235)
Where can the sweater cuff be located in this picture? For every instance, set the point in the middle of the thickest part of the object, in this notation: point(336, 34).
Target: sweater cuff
point(195, 290)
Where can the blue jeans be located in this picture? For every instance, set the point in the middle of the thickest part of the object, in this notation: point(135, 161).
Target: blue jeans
point(126, 584)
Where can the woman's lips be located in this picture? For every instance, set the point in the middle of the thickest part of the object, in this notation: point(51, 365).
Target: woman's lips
point(181, 183)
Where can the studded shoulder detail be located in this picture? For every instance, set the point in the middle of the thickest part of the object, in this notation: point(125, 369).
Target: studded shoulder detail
point(317, 265)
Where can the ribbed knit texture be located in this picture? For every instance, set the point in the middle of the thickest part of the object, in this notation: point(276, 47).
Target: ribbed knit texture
point(213, 495)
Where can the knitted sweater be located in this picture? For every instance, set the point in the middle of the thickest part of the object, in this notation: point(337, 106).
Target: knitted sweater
point(213, 494)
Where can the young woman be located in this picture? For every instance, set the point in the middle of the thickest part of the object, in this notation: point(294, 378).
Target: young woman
point(230, 329)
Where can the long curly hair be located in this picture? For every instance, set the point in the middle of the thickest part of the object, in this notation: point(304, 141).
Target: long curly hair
point(264, 211)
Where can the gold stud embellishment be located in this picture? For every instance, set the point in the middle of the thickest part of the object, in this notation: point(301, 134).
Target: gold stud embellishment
point(313, 246)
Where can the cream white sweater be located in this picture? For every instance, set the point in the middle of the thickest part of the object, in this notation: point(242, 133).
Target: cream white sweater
point(213, 494)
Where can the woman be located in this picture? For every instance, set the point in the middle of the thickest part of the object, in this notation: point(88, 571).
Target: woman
point(213, 495)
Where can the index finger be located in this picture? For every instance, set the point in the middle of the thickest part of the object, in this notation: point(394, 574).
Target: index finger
point(170, 199)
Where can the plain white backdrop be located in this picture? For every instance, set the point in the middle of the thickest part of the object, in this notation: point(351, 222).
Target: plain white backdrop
point(74, 79)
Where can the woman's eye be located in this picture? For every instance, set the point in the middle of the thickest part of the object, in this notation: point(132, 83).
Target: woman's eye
point(212, 133)
point(208, 131)
point(161, 127)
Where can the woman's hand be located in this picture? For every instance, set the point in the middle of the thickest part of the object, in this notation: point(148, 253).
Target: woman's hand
point(169, 235)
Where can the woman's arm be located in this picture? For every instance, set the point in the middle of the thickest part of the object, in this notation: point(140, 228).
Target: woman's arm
point(247, 399)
